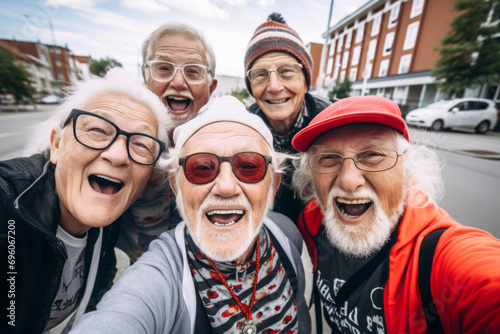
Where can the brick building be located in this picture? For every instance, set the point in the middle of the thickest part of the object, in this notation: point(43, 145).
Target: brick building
point(394, 42)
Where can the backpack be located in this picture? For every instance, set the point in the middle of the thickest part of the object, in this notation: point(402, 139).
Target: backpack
point(312, 227)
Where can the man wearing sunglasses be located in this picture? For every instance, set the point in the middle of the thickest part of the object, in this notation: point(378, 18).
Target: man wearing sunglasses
point(179, 67)
point(371, 225)
point(229, 267)
point(278, 75)
point(60, 207)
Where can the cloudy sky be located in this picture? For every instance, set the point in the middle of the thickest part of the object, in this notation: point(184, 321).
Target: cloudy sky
point(116, 28)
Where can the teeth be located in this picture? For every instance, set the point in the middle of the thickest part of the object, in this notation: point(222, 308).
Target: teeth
point(225, 212)
point(228, 224)
point(356, 201)
point(277, 101)
point(109, 178)
point(178, 98)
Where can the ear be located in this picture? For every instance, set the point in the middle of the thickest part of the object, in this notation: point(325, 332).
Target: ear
point(55, 144)
point(277, 182)
point(213, 86)
point(171, 181)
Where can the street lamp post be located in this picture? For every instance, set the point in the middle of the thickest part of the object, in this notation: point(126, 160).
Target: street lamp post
point(321, 76)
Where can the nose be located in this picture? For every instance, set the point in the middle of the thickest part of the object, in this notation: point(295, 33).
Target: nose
point(226, 183)
point(274, 85)
point(178, 80)
point(117, 153)
point(350, 177)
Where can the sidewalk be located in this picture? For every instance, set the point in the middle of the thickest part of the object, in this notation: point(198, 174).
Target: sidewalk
point(464, 142)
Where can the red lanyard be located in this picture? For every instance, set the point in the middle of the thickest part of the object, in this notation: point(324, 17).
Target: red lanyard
point(246, 309)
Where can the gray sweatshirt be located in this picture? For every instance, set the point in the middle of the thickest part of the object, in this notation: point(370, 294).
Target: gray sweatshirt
point(157, 293)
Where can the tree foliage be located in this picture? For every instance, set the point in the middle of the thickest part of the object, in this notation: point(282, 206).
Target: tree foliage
point(470, 52)
point(240, 94)
point(341, 90)
point(14, 79)
point(102, 66)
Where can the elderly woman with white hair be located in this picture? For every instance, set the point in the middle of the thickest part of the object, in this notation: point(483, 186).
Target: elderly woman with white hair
point(91, 159)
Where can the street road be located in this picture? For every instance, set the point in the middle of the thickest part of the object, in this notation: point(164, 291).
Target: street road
point(472, 185)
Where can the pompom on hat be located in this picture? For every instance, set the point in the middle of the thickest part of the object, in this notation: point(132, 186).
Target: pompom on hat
point(222, 109)
point(275, 35)
point(357, 109)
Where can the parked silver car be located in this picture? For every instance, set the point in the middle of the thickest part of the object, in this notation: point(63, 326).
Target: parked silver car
point(475, 113)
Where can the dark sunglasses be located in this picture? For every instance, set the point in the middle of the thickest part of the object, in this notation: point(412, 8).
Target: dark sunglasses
point(248, 167)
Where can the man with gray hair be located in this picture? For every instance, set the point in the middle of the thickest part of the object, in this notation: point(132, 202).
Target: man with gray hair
point(230, 266)
point(179, 67)
point(387, 259)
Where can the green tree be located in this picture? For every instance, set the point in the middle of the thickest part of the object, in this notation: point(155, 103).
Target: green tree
point(240, 94)
point(102, 66)
point(469, 51)
point(341, 90)
point(14, 79)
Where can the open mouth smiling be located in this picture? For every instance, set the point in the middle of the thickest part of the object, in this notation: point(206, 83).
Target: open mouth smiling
point(353, 208)
point(278, 101)
point(177, 103)
point(105, 184)
point(224, 217)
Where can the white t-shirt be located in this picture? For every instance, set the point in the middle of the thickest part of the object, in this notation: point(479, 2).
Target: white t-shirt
point(72, 280)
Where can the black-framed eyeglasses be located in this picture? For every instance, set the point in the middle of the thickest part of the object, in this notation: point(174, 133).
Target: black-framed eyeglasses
point(248, 167)
point(372, 160)
point(285, 73)
point(98, 133)
point(164, 71)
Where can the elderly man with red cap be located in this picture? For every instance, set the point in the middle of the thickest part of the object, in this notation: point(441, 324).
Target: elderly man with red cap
point(386, 258)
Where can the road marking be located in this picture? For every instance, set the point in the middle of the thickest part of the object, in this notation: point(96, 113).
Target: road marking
point(8, 134)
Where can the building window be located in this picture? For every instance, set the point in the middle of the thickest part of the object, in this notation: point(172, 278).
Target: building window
point(380, 91)
point(389, 40)
point(417, 8)
point(348, 39)
point(332, 47)
point(329, 67)
point(371, 49)
point(353, 74)
point(404, 64)
point(345, 59)
point(360, 32)
point(367, 73)
point(340, 43)
point(342, 76)
point(399, 96)
point(384, 68)
point(393, 18)
point(337, 67)
point(377, 18)
point(411, 36)
point(355, 55)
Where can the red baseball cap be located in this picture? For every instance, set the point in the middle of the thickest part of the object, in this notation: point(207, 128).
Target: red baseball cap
point(356, 109)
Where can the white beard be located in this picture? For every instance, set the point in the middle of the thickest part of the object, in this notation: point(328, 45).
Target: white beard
point(213, 243)
point(360, 240)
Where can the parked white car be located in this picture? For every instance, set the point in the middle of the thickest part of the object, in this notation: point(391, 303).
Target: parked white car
point(478, 114)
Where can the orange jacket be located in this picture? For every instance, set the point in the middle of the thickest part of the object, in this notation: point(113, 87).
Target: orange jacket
point(465, 279)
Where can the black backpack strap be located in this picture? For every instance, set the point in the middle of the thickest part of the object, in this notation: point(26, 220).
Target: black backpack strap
point(425, 258)
point(202, 323)
point(287, 264)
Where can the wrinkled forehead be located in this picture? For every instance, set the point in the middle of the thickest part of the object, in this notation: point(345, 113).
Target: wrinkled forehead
point(230, 137)
point(360, 135)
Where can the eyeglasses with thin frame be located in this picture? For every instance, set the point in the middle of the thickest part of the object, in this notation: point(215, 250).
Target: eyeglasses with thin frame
point(248, 167)
point(285, 73)
point(98, 133)
point(372, 160)
point(164, 71)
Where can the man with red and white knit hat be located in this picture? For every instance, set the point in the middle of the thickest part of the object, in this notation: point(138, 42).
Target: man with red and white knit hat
point(278, 69)
point(380, 245)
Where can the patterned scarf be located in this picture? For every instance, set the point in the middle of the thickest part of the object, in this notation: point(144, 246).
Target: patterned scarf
point(274, 310)
point(281, 141)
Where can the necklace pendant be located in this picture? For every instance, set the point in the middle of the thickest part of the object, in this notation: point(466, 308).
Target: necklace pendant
point(249, 327)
